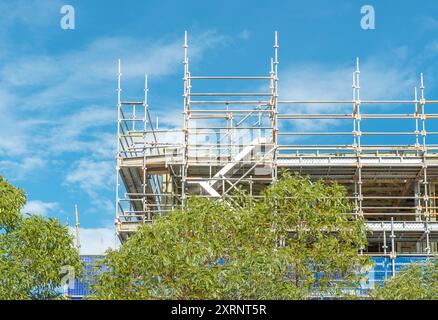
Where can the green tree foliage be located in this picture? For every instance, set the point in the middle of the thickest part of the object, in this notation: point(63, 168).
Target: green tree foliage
point(415, 282)
point(319, 237)
point(32, 250)
point(11, 202)
point(251, 249)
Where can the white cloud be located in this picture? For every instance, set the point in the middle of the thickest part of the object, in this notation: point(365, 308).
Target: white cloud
point(90, 73)
point(28, 12)
point(321, 82)
point(94, 177)
point(95, 241)
point(313, 82)
point(39, 207)
point(15, 143)
point(19, 169)
point(33, 19)
point(91, 175)
point(84, 131)
point(379, 81)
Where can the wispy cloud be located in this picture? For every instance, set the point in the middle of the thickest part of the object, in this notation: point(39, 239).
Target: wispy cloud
point(20, 169)
point(82, 132)
point(95, 241)
point(40, 207)
point(324, 82)
point(93, 178)
point(25, 25)
point(28, 12)
point(90, 72)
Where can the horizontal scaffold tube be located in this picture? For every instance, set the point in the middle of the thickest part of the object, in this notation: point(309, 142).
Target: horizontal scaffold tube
point(361, 102)
point(230, 77)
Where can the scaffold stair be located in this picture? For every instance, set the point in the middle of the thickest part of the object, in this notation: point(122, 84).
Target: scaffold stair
point(208, 185)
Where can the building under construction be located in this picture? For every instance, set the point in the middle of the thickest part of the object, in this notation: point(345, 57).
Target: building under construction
point(386, 154)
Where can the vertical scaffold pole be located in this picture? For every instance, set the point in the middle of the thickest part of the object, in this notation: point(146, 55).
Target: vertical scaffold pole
point(425, 180)
point(417, 186)
point(275, 108)
point(417, 115)
point(272, 90)
point(356, 192)
point(357, 140)
point(119, 111)
point(184, 166)
point(417, 194)
point(393, 249)
point(357, 103)
point(146, 210)
point(385, 246)
point(423, 117)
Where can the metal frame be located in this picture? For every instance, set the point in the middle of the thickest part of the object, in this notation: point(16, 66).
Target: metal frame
point(242, 139)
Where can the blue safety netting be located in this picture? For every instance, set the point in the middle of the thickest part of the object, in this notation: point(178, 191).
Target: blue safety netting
point(376, 276)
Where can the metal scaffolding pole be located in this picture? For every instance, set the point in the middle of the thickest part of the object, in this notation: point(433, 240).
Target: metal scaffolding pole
point(119, 107)
point(275, 106)
point(185, 155)
point(425, 180)
point(393, 248)
point(144, 169)
point(357, 141)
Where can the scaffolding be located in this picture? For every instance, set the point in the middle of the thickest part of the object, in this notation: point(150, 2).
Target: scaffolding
point(384, 155)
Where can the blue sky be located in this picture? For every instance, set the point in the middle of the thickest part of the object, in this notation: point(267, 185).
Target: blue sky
point(58, 87)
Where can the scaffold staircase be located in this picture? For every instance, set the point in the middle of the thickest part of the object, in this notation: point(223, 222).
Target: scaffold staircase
point(228, 168)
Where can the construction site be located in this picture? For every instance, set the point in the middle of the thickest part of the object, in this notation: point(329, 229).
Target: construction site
point(385, 152)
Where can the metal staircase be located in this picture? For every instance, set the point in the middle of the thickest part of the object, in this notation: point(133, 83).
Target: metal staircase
point(233, 164)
